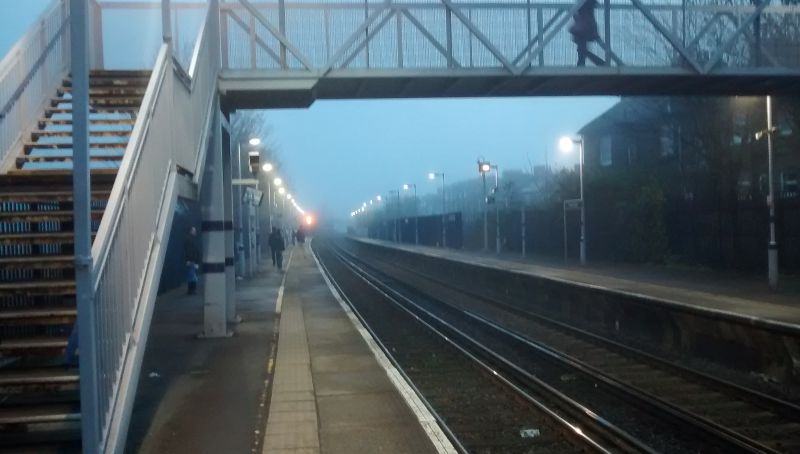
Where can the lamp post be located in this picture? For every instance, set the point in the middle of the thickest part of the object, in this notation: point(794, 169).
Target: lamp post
point(485, 167)
point(397, 237)
point(566, 144)
point(772, 246)
point(406, 187)
point(267, 169)
point(432, 176)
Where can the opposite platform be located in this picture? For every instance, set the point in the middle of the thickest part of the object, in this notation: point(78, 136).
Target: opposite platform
point(332, 392)
point(728, 296)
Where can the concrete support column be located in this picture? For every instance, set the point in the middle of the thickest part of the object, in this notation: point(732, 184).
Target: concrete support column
point(230, 266)
point(215, 288)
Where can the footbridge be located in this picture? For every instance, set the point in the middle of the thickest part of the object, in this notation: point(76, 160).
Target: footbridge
point(109, 111)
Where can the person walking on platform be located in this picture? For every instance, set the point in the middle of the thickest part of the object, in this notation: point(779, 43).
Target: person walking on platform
point(584, 31)
point(191, 250)
point(277, 246)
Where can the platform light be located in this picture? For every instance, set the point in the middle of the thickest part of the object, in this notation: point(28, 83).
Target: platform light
point(484, 167)
point(309, 219)
point(364, 205)
point(267, 167)
point(566, 144)
point(406, 186)
point(289, 196)
point(370, 201)
point(278, 181)
point(282, 191)
point(378, 198)
point(255, 141)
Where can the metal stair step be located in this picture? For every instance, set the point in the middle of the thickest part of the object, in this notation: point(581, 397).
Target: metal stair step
point(38, 316)
point(128, 101)
point(45, 196)
point(109, 171)
point(41, 216)
point(33, 343)
point(36, 135)
point(119, 73)
point(44, 122)
point(63, 287)
point(93, 109)
point(36, 238)
point(32, 263)
point(40, 376)
point(102, 81)
point(31, 145)
point(109, 91)
point(40, 414)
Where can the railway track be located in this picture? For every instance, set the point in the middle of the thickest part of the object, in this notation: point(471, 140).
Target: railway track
point(740, 419)
point(481, 419)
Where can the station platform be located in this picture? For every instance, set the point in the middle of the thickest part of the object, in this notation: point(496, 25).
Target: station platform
point(333, 390)
point(743, 297)
point(300, 375)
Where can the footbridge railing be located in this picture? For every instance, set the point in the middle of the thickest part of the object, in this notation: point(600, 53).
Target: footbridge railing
point(29, 75)
point(513, 37)
point(170, 136)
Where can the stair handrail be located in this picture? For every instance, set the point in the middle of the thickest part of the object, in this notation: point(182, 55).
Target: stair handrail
point(40, 55)
point(169, 133)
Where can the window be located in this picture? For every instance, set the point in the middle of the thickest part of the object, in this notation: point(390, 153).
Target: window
point(605, 151)
point(667, 142)
point(789, 182)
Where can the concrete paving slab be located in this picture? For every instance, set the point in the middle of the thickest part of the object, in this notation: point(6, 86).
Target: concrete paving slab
point(356, 407)
point(207, 394)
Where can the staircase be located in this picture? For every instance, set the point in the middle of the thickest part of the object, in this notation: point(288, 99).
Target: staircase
point(39, 393)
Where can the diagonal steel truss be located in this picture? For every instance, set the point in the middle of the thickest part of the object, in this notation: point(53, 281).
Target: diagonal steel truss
point(705, 38)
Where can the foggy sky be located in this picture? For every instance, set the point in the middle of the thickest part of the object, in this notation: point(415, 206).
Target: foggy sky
point(338, 154)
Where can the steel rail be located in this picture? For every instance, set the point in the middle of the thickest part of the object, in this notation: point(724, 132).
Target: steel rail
point(503, 369)
point(733, 440)
point(758, 398)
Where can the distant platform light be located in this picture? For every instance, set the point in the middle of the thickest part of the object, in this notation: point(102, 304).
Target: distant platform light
point(378, 198)
point(431, 176)
point(282, 191)
point(255, 141)
point(277, 181)
point(267, 167)
point(309, 219)
point(565, 144)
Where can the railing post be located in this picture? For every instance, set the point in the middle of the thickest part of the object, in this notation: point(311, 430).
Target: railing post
point(81, 189)
point(449, 16)
point(166, 24)
point(282, 28)
point(607, 29)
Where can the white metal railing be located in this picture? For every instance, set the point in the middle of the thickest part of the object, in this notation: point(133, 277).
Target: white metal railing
point(513, 36)
point(171, 130)
point(29, 75)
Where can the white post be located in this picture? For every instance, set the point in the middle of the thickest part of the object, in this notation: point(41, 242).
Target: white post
point(583, 210)
point(444, 215)
point(215, 293)
point(772, 248)
point(522, 228)
point(82, 231)
point(496, 209)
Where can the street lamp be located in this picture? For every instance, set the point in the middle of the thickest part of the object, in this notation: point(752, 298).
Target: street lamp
point(566, 144)
point(485, 167)
point(406, 187)
point(772, 246)
point(432, 176)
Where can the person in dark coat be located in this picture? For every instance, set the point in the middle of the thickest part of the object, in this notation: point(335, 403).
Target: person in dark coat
point(301, 235)
point(191, 248)
point(584, 31)
point(277, 246)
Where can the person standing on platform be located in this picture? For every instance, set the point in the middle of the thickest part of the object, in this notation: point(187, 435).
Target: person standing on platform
point(191, 250)
point(277, 246)
point(584, 31)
